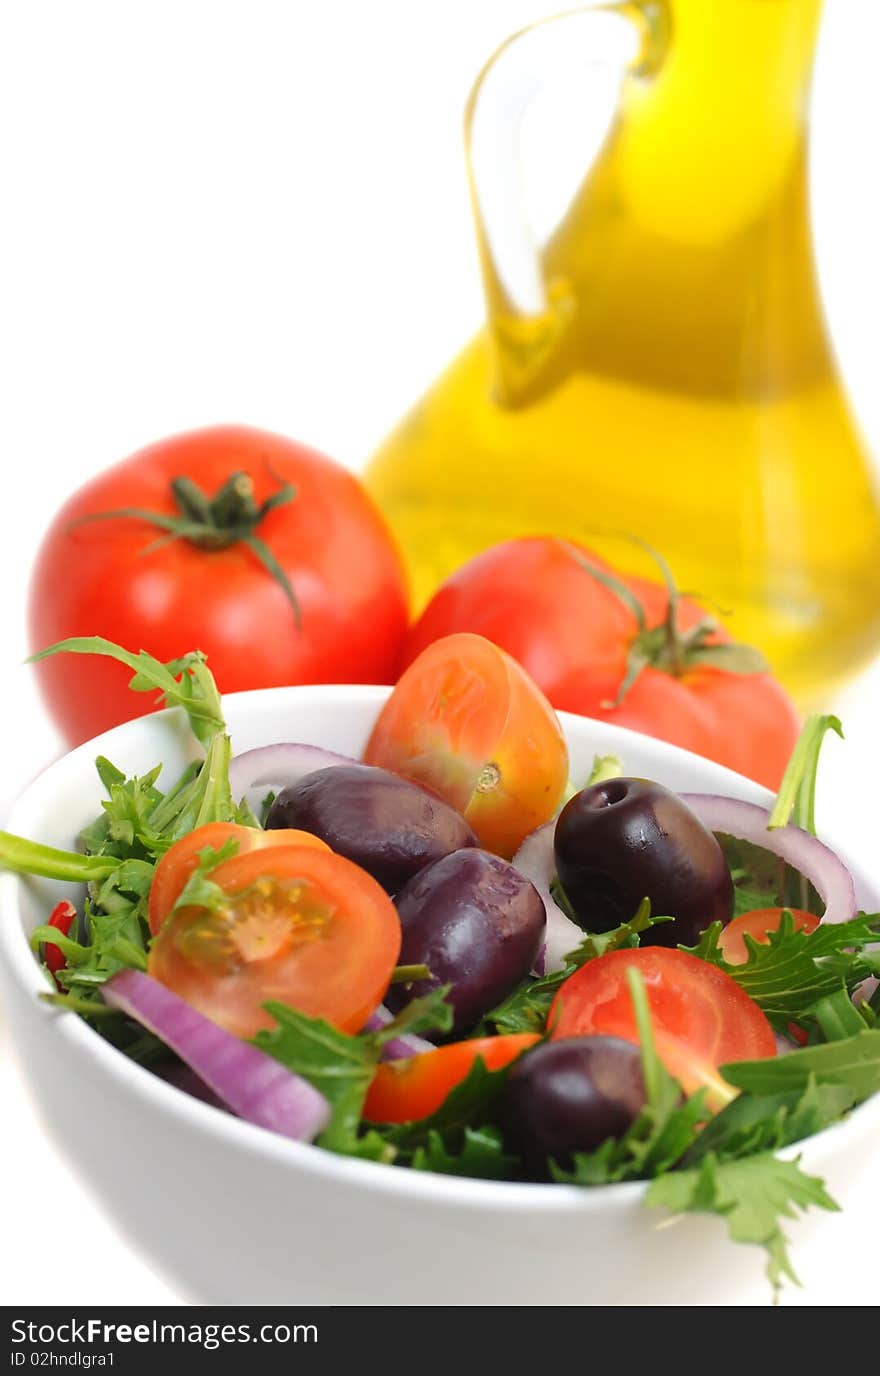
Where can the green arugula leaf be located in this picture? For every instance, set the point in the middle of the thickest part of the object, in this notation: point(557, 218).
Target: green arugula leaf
point(752, 1196)
point(117, 941)
point(185, 682)
point(837, 1017)
point(656, 1142)
point(760, 1123)
point(200, 891)
point(526, 1009)
point(481, 1156)
point(853, 1063)
point(430, 1012)
point(789, 973)
point(339, 1065)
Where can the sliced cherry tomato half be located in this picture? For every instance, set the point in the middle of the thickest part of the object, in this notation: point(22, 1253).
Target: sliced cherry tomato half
point(301, 926)
point(758, 925)
point(468, 723)
point(406, 1090)
point(701, 1017)
point(62, 919)
point(178, 863)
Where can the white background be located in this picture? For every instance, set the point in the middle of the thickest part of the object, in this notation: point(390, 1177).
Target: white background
point(257, 211)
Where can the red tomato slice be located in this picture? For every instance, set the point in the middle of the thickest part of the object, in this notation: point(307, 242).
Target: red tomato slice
point(178, 863)
point(405, 1090)
point(701, 1017)
point(467, 722)
point(758, 925)
point(301, 926)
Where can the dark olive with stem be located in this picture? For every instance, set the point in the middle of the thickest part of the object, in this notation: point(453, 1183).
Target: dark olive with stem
point(624, 840)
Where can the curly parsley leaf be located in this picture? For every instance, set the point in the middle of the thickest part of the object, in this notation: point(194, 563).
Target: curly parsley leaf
point(752, 1195)
point(793, 969)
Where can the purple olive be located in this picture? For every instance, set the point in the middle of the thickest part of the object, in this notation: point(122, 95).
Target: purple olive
point(477, 923)
point(570, 1096)
point(390, 827)
point(624, 840)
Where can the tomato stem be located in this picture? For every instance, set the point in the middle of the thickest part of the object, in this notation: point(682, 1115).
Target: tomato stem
point(408, 974)
point(230, 517)
point(666, 647)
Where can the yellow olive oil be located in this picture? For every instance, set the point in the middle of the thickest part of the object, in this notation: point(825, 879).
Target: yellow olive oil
point(680, 385)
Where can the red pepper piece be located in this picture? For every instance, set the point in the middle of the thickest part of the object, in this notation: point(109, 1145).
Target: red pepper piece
point(63, 917)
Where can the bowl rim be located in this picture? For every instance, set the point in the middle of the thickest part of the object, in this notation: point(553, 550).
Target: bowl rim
point(376, 1177)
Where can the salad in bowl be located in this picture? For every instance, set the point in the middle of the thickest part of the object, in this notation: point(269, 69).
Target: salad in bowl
point(443, 971)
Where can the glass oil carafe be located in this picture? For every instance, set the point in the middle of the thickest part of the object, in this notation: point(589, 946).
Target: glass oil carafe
point(661, 368)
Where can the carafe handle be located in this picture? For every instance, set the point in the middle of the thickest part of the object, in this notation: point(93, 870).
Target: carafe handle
point(527, 314)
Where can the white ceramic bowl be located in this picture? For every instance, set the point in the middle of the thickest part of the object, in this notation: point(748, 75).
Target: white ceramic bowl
point(231, 1214)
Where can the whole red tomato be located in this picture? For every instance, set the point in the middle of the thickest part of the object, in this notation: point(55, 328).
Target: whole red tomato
point(573, 623)
point(270, 558)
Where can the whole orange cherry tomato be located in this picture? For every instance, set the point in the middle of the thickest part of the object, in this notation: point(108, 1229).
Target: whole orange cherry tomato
point(468, 723)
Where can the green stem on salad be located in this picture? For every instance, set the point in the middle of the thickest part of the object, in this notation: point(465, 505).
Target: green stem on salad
point(186, 682)
point(176, 799)
point(214, 778)
point(645, 1029)
point(74, 954)
point(85, 1007)
point(796, 799)
point(31, 857)
point(604, 767)
point(408, 974)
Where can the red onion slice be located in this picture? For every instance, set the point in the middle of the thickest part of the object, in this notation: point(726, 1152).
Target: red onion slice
point(536, 860)
point(272, 767)
point(809, 856)
point(253, 1085)
point(398, 1048)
